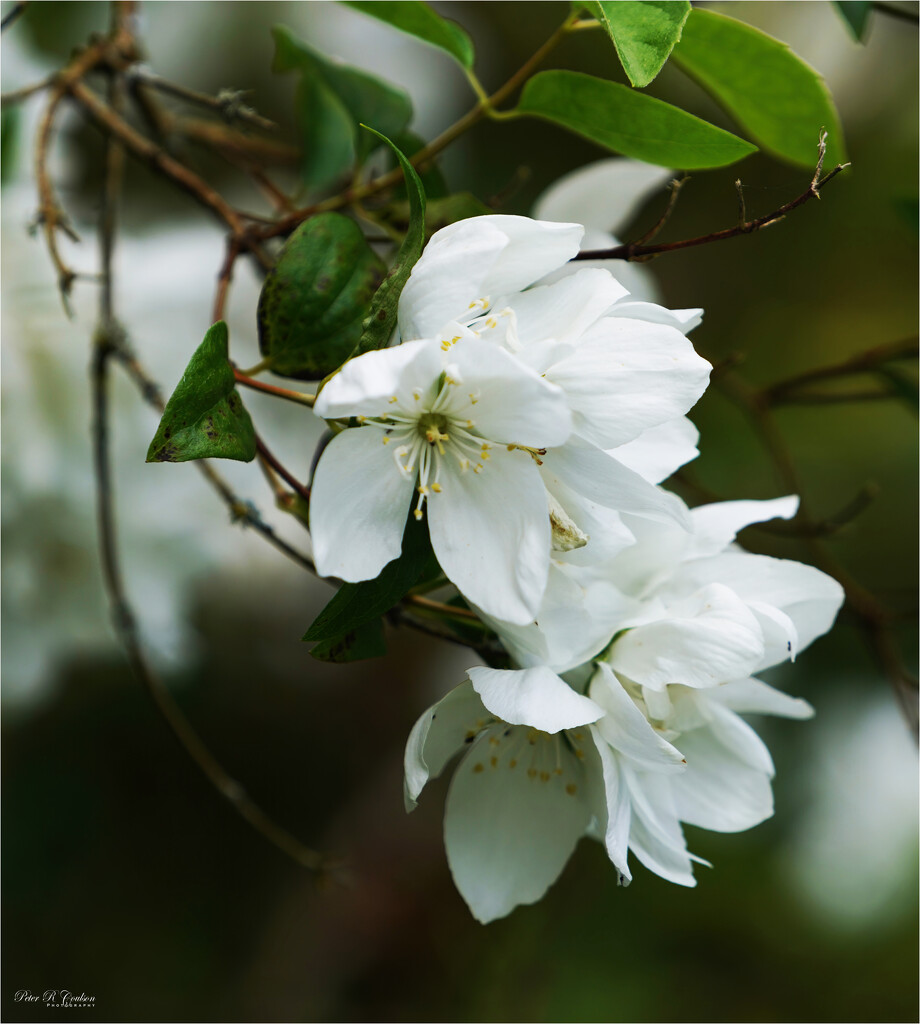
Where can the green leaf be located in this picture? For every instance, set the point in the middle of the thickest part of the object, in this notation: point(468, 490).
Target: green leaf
point(419, 20)
point(333, 99)
point(643, 31)
point(380, 322)
point(205, 418)
point(356, 604)
point(431, 177)
point(629, 122)
point(773, 94)
point(366, 641)
point(316, 297)
point(856, 14)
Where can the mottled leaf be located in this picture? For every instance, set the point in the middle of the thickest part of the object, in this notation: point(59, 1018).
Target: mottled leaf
point(629, 122)
point(643, 31)
point(315, 299)
point(419, 20)
point(333, 99)
point(772, 93)
point(364, 641)
point(381, 321)
point(205, 418)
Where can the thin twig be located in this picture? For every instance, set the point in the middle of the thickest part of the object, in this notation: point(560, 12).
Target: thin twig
point(896, 12)
point(638, 251)
point(286, 475)
point(13, 14)
point(673, 193)
point(437, 607)
point(271, 389)
point(18, 95)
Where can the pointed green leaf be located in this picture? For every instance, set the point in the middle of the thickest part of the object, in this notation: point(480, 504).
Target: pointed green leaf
point(856, 14)
point(629, 122)
point(772, 93)
point(333, 100)
point(419, 20)
point(381, 321)
point(643, 31)
point(365, 641)
point(205, 418)
point(356, 604)
point(315, 299)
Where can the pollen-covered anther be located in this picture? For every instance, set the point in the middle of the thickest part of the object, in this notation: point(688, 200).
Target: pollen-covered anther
point(436, 488)
point(393, 400)
point(571, 789)
point(418, 513)
point(482, 303)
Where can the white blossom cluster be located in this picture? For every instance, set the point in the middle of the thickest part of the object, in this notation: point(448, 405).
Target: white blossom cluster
point(528, 410)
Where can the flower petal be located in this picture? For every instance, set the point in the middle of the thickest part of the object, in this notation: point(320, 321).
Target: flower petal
point(716, 525)
point(442, 731)
point(655, 835)
point(533, 696)
point(509, 833)
point(491, 534)
point(359, 502)
point(513, 405)
point(726, 787)
point(565, 310)
point(449, 276)
point(684, 320)
point(660, 451)
point(751, 696)
point(626, 376)
point(603, 195)
point(616, 808)
point(709, 638)
point(366, 385)
point(535, 247)
point(597, 476)
point(627, 730)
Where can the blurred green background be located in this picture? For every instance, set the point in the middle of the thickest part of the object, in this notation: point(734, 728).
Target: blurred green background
point(128, 879)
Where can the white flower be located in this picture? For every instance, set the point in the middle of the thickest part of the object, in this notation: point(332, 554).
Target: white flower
point(485, 366)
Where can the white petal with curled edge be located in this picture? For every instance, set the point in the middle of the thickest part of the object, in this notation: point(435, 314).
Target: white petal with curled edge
point(682, 319)
point(565, 310)
point(358, 506)
point(660, 451)
point(442, 731)
point(808, 596)
point(449, 276)
point(711, 637)
point(655, 835)
point(716, 525)
point(365, 385)
point(726, 787)
point(627, 730)
point(513, 405)
point(491, 534)
point(626, 376)
point(597, 476)
point(752, 696)
point(616, 808)
point(509, 834)
point(603, 194)
point(535, 247)
point(533, 696)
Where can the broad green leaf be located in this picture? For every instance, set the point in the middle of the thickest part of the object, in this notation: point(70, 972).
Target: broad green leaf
point(356, 604)
point(629, 122)
point(419, 20)
point(315, 299)
point(333, 100)
point(365, 641)
point(205, 418)
point(856, 14)
point(772, 94)
point(381, 321)
point(643, 31)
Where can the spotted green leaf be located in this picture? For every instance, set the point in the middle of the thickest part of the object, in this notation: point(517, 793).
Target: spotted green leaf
point(315, 299)
point(205, 418)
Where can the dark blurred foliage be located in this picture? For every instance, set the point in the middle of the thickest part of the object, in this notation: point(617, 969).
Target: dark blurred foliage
point(127, 878)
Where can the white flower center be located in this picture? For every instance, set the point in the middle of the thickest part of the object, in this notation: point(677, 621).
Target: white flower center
point(543, 757)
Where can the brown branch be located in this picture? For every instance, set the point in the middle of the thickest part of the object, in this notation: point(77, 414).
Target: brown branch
point(449, 610)
point(271, 389)
point(864, 362)
point(18, 95)
point(637, 251)
point(286, 475)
